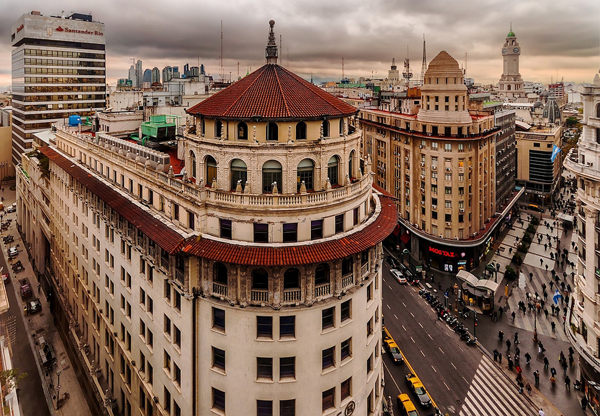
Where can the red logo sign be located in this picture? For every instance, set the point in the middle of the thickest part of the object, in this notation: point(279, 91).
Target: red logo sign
point(20, 27)
point(80, 31)
point(442, 252)
point(59, 29)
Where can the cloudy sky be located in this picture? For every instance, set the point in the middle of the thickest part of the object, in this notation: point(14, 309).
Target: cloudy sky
point(558, 38)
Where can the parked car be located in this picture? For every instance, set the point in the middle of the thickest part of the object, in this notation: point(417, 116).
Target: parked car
point(12, 208)
point(415, 386)
point(534, 207)
point(13, 252)
point(25, 288)
point(392, 262)
point(406, 406)
point(399, 276)
point(33, 306)
point(394, 352)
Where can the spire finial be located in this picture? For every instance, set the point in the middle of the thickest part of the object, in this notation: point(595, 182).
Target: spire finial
point(271, 50)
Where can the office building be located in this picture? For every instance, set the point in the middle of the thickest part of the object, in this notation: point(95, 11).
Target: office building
point(185, 282)
point(155, 78)
point(58, 70)
point(582, 316)
point(439, 157)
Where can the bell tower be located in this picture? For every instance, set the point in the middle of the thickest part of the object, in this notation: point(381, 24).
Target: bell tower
point(511, 83)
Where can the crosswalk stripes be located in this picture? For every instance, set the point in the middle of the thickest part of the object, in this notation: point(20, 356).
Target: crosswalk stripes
point(527, 320)
point(492, 394)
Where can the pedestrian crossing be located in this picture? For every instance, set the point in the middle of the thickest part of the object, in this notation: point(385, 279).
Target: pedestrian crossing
point(492, 394)
point(528, 321)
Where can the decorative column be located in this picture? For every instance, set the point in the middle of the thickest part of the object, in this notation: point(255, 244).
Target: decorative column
point(276, 287)
point(205, 276)
point(337, 276)
point(243, 285)
point(309, 286)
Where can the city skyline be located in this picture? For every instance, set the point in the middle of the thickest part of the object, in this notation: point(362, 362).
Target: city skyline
point(559, 41)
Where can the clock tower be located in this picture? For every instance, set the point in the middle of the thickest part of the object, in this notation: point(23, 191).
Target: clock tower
point(511, 83)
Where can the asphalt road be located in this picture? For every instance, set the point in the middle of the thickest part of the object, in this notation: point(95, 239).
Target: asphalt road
point(30, 393)
point(445, 365)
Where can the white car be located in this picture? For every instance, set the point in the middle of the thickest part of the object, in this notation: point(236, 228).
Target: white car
point(399, 276)
point(13, 252)
point(12, 208)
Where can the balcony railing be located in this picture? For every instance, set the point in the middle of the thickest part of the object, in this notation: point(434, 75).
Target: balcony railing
point(180, 276)
point(322, 290)
point(219, 289)
point(347, 280)
point(364, 269)
point(292, 295)
point(259, 295)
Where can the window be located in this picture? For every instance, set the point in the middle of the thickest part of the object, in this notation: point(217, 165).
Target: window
point(193, 164)
point(328, 358)
point(332, 170)
point(264, 368)
point(260, 280)
point(316, 229)
point(370, 292)
point(211, 169)
point(271, 174)
point(347, 266)
point(242, 131)
point(339, 223)
point(448, 146)
point(306, 170)
point(177, 374)
point(356, 214)
point(328, 399)
point(167, 326)
point(287, 327)
point(287, 367)
point(218, 319)
point(218, 358)
point(167, 403)
point(346, 310)
point(177, 338)
point(225, 229)
point(327, 316)
point(218, 128)
point(176, 212)
point(261, 233)
point(167, 363)
point(369, 327)
point(301, 131)
point(191, 221)
point(287, 407)
point(291, 279)
point(290, 233)
point(239, 174)
point(346, 348)
point(218, 399)
point(325, 127)
point(272, 132)
point(370, 364)
point(220, 273)
point(351, 165)
point(264, 327)
point(346, 388)
point(322, 274)
point(264, 408)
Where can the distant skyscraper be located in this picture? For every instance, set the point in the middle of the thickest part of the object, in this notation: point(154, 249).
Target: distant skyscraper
point(42, 43)
point(147, 75)
point(202, 69)
point(139, 73)
point(167, 74)
point(176, 73)
point(194, 72)
point(132, 76)
point(155, 75)
point(186, 71)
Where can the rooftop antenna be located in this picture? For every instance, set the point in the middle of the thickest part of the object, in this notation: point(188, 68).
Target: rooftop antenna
point(343, 73)
point(281, 46)
point(465, 74)
point(222, 74)
point(424, 64)
point(407, 74)
point(238, 76)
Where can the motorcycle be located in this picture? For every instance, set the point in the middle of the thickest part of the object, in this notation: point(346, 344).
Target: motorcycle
point(471, 341)
point(465, 336)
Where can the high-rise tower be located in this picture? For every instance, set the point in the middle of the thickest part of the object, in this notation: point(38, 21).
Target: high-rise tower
point(511, 83)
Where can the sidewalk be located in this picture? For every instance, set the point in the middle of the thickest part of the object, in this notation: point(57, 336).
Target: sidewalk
point(41, 325)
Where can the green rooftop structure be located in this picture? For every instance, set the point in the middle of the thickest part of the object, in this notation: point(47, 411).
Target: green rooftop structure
point(160, 128)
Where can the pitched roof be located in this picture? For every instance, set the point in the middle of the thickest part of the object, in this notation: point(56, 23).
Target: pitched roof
point(166, 238)
point(272, 92)
point(263, 255)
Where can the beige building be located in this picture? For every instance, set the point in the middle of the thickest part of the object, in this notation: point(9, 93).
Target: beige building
point(438, 158)
point(511, 83)
point(583, 312)
point(251, 262)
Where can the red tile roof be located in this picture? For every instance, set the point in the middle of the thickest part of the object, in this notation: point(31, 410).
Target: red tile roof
point(167, 238)
point(272, 92)
point(263, 255)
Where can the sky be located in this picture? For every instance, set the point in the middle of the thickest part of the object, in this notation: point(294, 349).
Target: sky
point(559, 39)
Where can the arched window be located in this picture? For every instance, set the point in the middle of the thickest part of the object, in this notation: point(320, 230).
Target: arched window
point(341, 126)
point(351, 165)
point(325, 125)
point(242, 131)
point(272, 133)
point(322, 274)
point(218, 128)
point(271, 172)
point(332, 170)
point(211, 169)
point(238, 173)
point(291, 279)
point(306, 172)
point(260, 279)
point(202, 126)
point(301, 131)
point(192, 164)
point(347, 266)
point(220, 273)
point(598, 111)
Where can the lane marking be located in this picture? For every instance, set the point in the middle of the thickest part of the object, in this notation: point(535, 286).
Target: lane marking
point(422, 353)
point(465, 380)
point(446, 385)
point(452, 364)
point(388, 306)
point(403, 327)
point(392, 377)
point(440, 348)
point(390, 287)
point(430, 337)
point(411, 314)
point(434, 370)
point(404, 304)
point(420, 325)
point(395, 316)
point(412, 340)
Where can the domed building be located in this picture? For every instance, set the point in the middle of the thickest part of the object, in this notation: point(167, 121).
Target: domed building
point(241, 272)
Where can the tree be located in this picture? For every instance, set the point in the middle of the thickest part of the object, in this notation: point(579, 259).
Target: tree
point(510, 273)
point(10, 378)
point(571, 121)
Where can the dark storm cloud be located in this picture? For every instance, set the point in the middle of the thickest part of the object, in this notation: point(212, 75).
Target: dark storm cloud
point(317, 34)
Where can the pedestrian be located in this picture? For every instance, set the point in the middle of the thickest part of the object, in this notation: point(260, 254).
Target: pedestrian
point(545, 246)
point(553, 325)
point(546, 363)
point(571, 361)
point(541, 262)
point(495, 355)
point(513, 314)
point(500, 310)
point(499, 358)
point(541, 412)
point(517, 351)
point(565, 366)
point(553, 371)
point(536, 376)
point(546, 313)
point(568, 382)
point(528, 387)
point(508, 344)
point(516, 341)
point(527, 358)
point(584, 402)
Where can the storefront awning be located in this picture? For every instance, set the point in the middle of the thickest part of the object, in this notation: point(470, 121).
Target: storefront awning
point(405, 238)
point(480, 284)
point(565, 217)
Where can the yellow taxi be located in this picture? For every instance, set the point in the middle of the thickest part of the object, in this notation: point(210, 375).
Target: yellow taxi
point(406, 406)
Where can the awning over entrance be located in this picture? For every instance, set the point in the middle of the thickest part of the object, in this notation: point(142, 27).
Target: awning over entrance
point(480, 284)
point(405, 238)
point(565, 217)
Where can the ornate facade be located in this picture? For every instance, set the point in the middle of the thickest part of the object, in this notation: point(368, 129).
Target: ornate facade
point(264, 253)
point(511, 83)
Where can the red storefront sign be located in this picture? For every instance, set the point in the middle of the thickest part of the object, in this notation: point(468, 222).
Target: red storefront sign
point(442, 252)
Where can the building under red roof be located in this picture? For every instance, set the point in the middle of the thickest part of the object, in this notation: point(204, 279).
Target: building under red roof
point(272, 93)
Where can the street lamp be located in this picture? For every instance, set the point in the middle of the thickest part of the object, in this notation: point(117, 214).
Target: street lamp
point(58, 388)
point(475, 324)
point(407, 252)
